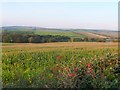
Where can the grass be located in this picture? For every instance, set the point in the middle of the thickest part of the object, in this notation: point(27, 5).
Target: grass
point(62, 33)
point(53, 65)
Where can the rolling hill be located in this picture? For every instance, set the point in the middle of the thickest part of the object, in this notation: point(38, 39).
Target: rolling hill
point(81, 33)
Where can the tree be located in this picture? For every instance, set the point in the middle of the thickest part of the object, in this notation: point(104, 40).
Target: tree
point(30, 39)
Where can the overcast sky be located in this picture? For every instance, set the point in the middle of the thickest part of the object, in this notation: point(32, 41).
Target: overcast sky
point(83, 15)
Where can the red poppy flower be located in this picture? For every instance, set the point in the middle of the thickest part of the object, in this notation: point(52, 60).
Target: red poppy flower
point(72, 75)
point(89, 65)
point(54, 68)
point(89, 69)
point(59, 57)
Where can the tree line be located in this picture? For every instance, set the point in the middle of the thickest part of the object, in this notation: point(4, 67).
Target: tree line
point(13, 37)
point(32, 38)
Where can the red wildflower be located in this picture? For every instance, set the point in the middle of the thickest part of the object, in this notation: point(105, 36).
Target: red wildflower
point(90, 70)
point(89, 65)
point(59, 57)
point(72, 75)
point(54, 68)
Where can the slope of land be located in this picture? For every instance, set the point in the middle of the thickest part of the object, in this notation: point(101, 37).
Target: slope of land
point(93, 35)
point(81, 33)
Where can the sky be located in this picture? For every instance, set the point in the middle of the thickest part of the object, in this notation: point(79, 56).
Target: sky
point(76, 15)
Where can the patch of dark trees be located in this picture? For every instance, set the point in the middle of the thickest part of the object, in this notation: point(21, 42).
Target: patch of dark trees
point(32, 38)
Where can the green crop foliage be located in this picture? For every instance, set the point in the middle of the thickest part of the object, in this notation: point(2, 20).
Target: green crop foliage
point(60, 65)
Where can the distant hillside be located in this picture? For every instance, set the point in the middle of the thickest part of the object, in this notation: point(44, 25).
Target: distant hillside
point(90, 33)
point(26, 28)
point(19, 28)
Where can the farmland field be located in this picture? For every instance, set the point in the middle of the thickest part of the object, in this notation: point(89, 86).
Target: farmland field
point(61, 65)
point(62, 33)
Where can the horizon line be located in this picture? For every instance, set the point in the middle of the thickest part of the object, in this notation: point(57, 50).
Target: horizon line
point(58, 28)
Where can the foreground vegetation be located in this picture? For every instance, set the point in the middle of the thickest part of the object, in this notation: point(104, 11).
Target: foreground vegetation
point(61, 65)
